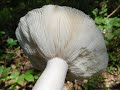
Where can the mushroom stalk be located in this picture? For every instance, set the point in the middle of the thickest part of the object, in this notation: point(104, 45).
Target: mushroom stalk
point(53, 76)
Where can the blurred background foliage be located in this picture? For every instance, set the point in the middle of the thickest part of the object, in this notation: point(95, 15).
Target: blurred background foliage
point(106, 14)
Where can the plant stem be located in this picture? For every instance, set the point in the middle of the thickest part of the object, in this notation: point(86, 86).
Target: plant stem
point(113, 12)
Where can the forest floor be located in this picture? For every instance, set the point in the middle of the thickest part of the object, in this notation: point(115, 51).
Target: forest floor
point(105, 81)
point(111, 81)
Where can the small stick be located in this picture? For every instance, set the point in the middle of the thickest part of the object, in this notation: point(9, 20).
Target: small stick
point(113, 12)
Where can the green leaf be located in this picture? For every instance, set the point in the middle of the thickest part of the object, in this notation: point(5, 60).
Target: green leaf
point(106, 21)
point(30, 71)
point(95, 12)
point(20, 79)
point(115, 22)
point(11, 42)
point(107, 27)
point(99, 20)
point(36, 77)
point(12, 76)
point(29, 77)
point(109, 36)
point(6, 71)
point(103, 11)
point(15, 74)
point(100, 27)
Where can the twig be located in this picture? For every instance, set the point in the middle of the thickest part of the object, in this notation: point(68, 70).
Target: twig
point(113, 12)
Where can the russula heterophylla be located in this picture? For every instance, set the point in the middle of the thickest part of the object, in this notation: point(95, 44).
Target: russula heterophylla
point(66, 39)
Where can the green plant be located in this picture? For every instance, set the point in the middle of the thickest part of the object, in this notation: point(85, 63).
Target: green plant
point(4, 73)
point(11, 77)
point(110, 27)
point(11, 42)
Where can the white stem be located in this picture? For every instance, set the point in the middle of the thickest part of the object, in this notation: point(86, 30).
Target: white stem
point(53, 76)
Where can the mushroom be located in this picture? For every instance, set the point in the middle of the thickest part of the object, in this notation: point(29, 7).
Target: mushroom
point(61, 39)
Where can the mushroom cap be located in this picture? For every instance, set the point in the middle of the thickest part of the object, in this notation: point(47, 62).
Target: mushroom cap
point(64, 32)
